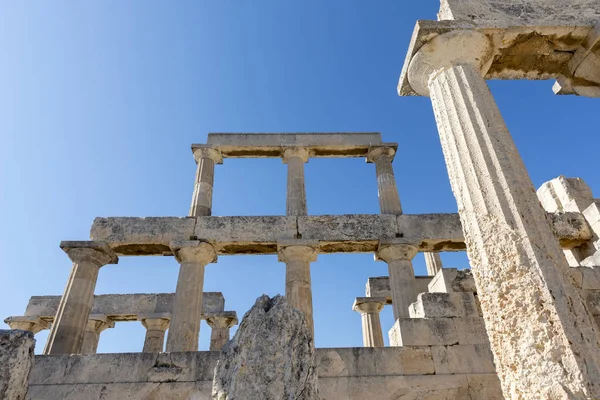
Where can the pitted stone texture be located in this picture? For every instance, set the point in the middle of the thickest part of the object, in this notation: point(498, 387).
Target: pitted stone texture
point(449, 280)
point(423, 332)
point(16, 359)
point(270, 357)
point(434, 305)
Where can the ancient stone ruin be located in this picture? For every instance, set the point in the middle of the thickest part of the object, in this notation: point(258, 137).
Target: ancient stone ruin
point(522, 323)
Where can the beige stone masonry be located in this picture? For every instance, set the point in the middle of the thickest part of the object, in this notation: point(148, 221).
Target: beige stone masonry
point(423, 332)
point(463, 359)
point(184, 329)
point(96, 324)
point(156, 324)
point(297, 256)
point(32, 324)
point(398, 256)
point(66, 334)
point(206, 157)
point(380, 287)
point(220, 324)
point(369, 309)
point(450, 280)
point(510, 242)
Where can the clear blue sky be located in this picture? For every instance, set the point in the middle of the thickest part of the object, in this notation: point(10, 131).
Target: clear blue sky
point(100, 101)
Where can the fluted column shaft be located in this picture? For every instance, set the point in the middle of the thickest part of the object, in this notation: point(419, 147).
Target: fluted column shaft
point(155, 325)
point(369, 309)
point(184, 329)
point(96, 324)
point(295, 158)
point(544, 341)
point(66, 334)
point(401, 276)
point(220, 325)
point(298, 291)
point(389, 200)
point(206, 157)
point(433, 262)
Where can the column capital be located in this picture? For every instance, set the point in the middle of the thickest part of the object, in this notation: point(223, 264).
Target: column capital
point(193, 251)
point(99, 322)
point(155, 321)
point(375, 152)
point(297, 250)
point(396, 250)
point(296, 151)
point(460, 47)
point(224, 319)
point(32, 324)
point(96, 252)
point(369, 305)
point(206, 151)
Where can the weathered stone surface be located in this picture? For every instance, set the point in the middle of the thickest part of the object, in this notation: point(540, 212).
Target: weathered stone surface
point(521, 12)
point(463, 359)
point(423, 332)
point(16, 358)
point(484, 387)
point(449, 280)
point(471, 330)
point(123, 307)
point(380, 286)
point(271, 356)
point(434, 305)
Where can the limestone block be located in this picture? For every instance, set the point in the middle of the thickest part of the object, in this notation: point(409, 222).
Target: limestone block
point(434, 305)
point(435, 231)
point(484, 387)
point(16, 358)
point(123, 307)
point(465, 303)
point(565, 194)
point(380, 286)
point(271, 356)
point(571, 227)
point(471, 330)
point(592, 298)
point(423, 332)
point(372, 361)
point(422, 284)
point(141, 236)
point(333, 231)
point(587, 278)
point(449, 280)
point(463, 359)
point(521, 12)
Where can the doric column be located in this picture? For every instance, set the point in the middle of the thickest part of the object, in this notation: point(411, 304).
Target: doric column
point(184, 329)
point(220, 323)
point(543, 339)
point(206, 157)
point(32, 324)
point(389, 200)
point(156, 325)
point(95, 325)
point(433, 262)
point(297, 256)
point(68, 328)
point(369, 309)
point(295, 157)
point(398, 256)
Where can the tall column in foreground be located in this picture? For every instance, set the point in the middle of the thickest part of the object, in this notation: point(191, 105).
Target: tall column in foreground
point(66, 334)
point(295, 158)
point(543, 339)
point(297, 256)
point(369, 309)
point(96, 324)
point(184, 329)
point(206, 157)
point(398, 256)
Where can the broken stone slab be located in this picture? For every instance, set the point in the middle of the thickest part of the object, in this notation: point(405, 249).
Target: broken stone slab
point(449, 280)
point(271, 356)
point(16, 360)
point(423, 332)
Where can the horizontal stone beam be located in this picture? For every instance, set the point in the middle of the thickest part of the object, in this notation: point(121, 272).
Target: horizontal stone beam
point(380, 286)
point(129, 236)
point(262, 145)
point(519, 52)
point(123, 307)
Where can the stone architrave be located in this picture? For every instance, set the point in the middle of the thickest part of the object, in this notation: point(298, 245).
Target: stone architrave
point(16, 360)
point(271, 356)
point(398, 256)
point(97, 323)
point(206, 157)
point(369, 309)
point(295, 158)
point(184, 330)
point(156, 326)
point(297, 256)
point(544, 342)
point(68, 329)
point(32, 324)
point(220, 323)
point(433, 262)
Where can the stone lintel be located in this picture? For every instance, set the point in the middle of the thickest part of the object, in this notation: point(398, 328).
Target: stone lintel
point(272, 145)
point(358, 233)
point(123, 307)
point(520, 52)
